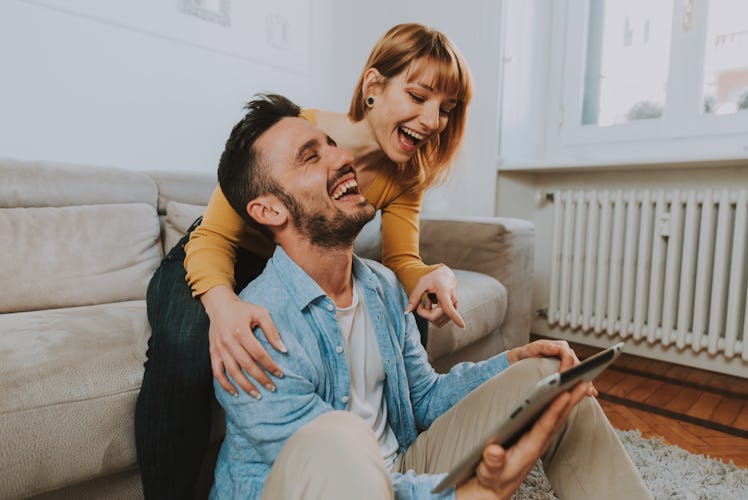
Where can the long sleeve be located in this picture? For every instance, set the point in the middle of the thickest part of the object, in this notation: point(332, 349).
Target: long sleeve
point(211, 251)
point(267, 423)
point(400, 227)
point(433, 394)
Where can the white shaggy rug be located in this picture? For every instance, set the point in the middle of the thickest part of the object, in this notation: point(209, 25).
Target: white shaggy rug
point(670, 472)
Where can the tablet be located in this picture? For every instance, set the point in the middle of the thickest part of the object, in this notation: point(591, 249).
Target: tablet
point(524, 415)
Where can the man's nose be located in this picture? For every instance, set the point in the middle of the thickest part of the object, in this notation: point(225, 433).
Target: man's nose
point(341, 158)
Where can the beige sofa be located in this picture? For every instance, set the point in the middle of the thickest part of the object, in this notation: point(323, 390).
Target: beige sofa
point(79, 246)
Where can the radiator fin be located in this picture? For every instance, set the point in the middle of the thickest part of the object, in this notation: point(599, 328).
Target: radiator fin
point(666, 267)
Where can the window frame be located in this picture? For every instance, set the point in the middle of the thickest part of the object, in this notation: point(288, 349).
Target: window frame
point(679, 134)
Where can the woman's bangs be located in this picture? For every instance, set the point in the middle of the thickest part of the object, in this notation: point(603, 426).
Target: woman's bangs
point(443, 75)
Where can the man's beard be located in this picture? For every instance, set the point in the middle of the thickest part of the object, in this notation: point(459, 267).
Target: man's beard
point(325, 232)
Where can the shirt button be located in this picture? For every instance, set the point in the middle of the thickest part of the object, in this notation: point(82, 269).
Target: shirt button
point(344, 399)
point(330, 307)
point(339, 349)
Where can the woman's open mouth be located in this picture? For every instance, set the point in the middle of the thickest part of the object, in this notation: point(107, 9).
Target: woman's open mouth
point(408, 138)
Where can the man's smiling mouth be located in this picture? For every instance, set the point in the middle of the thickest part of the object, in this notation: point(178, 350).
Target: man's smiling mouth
point(344, 184)
point(346, 188)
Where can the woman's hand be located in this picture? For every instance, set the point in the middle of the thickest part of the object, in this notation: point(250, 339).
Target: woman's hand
point(233, 345)
point(548, 349)
point(440, 286)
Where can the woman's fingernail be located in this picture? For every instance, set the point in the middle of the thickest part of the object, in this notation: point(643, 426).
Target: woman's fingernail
point(235, 394)
point(255, 394)
point(270, 387)
point(282, 347)
point(279, 374)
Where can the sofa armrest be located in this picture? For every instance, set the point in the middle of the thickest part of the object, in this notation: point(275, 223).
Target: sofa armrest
point(499, 247)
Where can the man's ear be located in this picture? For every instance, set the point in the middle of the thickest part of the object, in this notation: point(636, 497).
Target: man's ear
point(267, 210)
point(371, 82)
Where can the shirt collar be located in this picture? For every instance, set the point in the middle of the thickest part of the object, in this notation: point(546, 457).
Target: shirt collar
point(363, 274)
point(302, 288)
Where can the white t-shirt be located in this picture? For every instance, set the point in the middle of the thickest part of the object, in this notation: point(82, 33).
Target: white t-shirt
point(367, 374)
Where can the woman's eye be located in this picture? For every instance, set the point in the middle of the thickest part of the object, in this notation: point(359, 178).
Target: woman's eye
point(311, 157)
point(416, 97)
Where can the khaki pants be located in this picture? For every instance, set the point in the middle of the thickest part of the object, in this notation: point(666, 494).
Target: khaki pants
point(337, 457)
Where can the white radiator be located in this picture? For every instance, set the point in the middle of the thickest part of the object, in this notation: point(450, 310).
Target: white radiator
point(669, 267)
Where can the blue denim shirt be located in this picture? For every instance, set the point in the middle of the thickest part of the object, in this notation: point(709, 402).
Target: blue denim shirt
point(317, 378)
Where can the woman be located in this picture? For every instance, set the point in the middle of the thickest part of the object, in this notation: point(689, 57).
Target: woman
point(406, 122)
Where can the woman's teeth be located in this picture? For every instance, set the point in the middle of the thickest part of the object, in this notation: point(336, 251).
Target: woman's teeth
point(412, 133)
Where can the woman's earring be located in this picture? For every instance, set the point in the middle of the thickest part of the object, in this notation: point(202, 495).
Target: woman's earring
point(370, 101)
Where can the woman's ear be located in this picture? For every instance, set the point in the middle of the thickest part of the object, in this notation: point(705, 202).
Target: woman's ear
point(371, 82)
point(268, 211)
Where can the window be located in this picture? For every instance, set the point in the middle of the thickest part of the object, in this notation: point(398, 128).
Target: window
point(665, 78)
point(628, 56)
point(725, 87)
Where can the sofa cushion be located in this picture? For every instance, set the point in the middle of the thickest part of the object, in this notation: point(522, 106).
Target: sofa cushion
point(183, 187)
point(69, 380)
point(78, 255)
point(43, 184)
point(482, 303)
point(123, 486)
point(179, 218)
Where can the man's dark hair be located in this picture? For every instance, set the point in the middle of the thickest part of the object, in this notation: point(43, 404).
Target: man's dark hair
point(242, 173)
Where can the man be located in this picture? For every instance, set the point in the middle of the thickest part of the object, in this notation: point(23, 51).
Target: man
point(344, 420)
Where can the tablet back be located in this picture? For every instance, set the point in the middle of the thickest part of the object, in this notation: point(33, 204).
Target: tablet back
point(525, 414)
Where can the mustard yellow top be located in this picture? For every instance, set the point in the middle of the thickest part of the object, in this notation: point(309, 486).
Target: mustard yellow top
point(211, 250)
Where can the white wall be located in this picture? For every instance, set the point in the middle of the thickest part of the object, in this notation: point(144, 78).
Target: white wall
point(84, 90)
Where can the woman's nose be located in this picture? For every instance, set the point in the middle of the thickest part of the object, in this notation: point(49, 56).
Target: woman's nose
point(430, 116)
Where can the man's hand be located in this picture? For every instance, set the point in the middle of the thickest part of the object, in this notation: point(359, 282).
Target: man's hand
point(545, 349)
point(440, 288)
point(548, 349)
point(233, 346)
point(501, 471)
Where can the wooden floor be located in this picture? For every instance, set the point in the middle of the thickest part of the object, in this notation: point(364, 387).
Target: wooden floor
point(700, 411)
